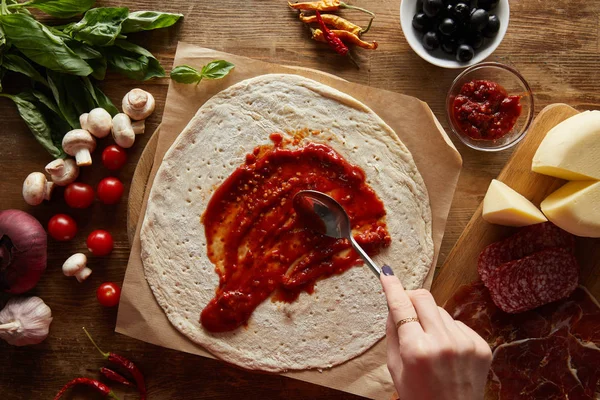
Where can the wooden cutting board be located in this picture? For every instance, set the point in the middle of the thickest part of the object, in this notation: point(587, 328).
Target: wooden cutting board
point(460, 266)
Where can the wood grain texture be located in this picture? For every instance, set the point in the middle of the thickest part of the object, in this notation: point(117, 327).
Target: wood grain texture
point(556, 48)
point(460, 266)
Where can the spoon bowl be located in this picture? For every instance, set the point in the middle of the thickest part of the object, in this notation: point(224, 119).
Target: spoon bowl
point(325, 215)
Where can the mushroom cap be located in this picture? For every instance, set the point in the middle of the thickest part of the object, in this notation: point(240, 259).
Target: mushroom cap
point(63, 171)
point(74, 264)
point(78, 139)
point(98, 122)
point(138, 104)
point(34, 188)
point(122, 131)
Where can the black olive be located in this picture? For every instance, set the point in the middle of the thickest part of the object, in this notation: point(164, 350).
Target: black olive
point(488, 4)
point(432, 7)
point(472, 3)
point(448, 10)
point(461, 12)
point(492, 27)
point(479, 20)
point(421, 22)
point(419, 6)
point(449, 44)
point(447, 26)
point(476, 40)
point(431, 41)
point(451, 2)
point(465, 53)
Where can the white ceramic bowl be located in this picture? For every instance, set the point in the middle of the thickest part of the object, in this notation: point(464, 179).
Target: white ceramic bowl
point(408, 9)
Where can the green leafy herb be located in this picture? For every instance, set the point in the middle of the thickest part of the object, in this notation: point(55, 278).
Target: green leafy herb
point(2, 72)
point(134, 61)
point(99, 26)
point(15, 63)
point(40, 45)
point(147, 20)
point(217, 69)
point(58, 8)
point(36, 122)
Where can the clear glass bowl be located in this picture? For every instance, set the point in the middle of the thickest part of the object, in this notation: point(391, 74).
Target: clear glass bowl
point(511, 80)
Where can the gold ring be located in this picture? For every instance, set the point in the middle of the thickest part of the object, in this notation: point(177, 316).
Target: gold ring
point(406, 321)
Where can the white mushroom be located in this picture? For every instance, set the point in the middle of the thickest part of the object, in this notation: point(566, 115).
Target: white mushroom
point(122, 131)
point(79, 143)
point(62, 172)
point(138, 104)
point(98, 122)
point(138, 126)
point(36, 188)
point(83, 120)
point(75, 266)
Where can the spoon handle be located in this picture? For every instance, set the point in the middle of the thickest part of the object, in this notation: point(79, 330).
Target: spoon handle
point(376, 270)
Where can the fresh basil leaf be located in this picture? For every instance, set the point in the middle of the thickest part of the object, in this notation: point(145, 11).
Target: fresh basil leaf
point(61, 8)
point(147, 20)
point(45, 100)
point(71, 95)
point(40, 45)
point(2, 72)
point(37, 123)
point(20, 65)
point(99, 66)
point(99, 26)
point(134, 61)
point(217, 69)
point(185, 74)
point(104, 102)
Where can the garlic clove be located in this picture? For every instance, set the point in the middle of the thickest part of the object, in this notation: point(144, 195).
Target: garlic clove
point(25, 321)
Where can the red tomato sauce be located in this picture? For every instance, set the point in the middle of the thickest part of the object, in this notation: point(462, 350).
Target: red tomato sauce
point(258, 243)
point(483, 110)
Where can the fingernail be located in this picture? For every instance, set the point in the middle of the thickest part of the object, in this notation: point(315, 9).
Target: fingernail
point(387, 271)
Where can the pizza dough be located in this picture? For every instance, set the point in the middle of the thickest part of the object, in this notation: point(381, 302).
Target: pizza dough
point(346, 314)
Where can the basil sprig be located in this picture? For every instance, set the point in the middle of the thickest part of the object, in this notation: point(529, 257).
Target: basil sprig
point(217, 69)
point(64, 61)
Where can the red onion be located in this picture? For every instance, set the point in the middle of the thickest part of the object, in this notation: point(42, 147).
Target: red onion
point(23, 245)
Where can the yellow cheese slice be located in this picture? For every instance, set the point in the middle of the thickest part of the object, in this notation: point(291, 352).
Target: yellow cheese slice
point(575, 207)
point(571, 150)
point(504, 206)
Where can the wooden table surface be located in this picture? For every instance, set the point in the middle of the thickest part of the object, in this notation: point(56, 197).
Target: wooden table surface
point(556, 47)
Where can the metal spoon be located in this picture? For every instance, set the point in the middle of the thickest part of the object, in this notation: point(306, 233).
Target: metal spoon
point(323, 214)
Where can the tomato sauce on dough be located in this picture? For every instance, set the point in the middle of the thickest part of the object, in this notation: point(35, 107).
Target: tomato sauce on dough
point(483, 110)
point(261, 247)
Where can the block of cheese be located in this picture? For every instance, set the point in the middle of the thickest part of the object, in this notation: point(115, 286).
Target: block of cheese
point(571, 150)
point(575, 207)
point(504, 206)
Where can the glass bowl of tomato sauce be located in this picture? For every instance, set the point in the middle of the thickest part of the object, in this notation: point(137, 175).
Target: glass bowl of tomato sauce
point(490, 106)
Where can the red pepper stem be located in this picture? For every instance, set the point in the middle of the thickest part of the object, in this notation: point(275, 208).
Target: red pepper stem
point(348, 6)
point(113, 395)
point(105, 355)
point(365, 30)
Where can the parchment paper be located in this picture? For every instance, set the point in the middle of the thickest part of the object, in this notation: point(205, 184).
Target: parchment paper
point(439, 162)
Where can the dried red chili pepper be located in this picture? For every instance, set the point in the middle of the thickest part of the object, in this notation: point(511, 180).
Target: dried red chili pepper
point(337, 22)
point(115, 376)
point(97, 385)
point(346, 37)
point(326, 5)
point(331, 38)
point(125, 363)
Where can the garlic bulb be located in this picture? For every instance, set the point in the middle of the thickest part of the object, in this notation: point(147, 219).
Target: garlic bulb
point(24, 321)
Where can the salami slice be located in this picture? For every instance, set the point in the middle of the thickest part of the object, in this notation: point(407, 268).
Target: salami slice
point(525, 242)
point(535, 280)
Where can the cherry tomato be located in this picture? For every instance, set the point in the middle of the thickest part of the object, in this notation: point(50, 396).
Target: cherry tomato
point(110, 190)
point(79, 195)
point(62, 227)
point(99, 242)
point(108, 294)
point(114, 157)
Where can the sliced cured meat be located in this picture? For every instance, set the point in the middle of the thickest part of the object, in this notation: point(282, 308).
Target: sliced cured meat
point(525, 242)
point(535, 280)
point(586, 328)
point(557, 366)
point(473, 305)
point(540, 369)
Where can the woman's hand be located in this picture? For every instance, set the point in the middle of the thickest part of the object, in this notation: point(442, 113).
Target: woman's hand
point(435, 357)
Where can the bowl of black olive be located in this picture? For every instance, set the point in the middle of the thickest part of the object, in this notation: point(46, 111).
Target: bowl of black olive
point(454, 33)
